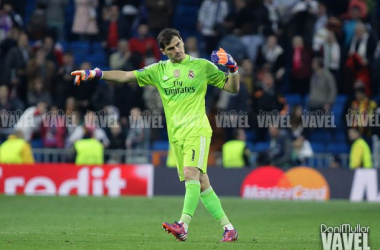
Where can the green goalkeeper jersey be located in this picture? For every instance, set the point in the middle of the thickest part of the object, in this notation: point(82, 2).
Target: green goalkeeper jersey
point(182, 87)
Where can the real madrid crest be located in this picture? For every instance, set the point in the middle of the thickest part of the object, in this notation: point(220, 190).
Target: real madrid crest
point(191, 74)
point(177, 73)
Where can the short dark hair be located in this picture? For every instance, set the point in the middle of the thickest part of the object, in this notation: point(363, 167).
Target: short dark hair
point(166, 36)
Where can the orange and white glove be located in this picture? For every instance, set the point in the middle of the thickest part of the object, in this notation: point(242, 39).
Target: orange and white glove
point(85, 75)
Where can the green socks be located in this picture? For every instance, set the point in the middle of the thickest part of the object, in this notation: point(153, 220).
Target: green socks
point(193, 190)
point(212, 203)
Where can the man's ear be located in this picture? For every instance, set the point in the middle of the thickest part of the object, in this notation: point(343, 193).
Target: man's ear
point(163, 51)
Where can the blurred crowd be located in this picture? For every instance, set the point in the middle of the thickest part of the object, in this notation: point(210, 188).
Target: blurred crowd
point(317, 50)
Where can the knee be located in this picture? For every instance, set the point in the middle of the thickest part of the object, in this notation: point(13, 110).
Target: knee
point(191, 173)
point(205, 186)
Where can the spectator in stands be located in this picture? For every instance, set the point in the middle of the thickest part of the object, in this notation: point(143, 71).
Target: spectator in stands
point(41, 67)
point(210, 17)
point(230, 41)
point(30, 122)
point(55, 17)
point(300, 66)
point(246, 75)
point(350, 23)
point(362, 107)
point(53, 50)
point(297, 128)
point(8, 107)
point(122, 58)
point(89, 125)
point(159, 14)
point(84, 23)
point(322, 87)
point(38, 93)
point(138, 135)
point(36, 27)
point(302, 23)
point(301, 150)
point(320, 28)
point(236, 154)
point(360, 55)
point(272, 56)
point(53, 130)
point(322, 18)
point(89, 151)
point(16, 150)
point(269, 18)
point(64, 88)
point(360, 153)
point(280, 149)
point(8, 43)
point(8, 103)
point(191, 45)
point(117, 141)
point(265, 98)
point(117, 137)
point(331, 55)
point(114, 28)
point(8, 19)
point(15, 67)
point(145, 45)
point(72, 112)
point(243, 15)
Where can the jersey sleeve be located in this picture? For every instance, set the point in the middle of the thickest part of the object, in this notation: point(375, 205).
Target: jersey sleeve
point(215, 77)
point(146, 75)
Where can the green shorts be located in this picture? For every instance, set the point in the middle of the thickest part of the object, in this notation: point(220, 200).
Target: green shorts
point(191, 152)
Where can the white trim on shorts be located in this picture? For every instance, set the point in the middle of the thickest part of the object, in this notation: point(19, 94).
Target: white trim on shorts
point(202, 152)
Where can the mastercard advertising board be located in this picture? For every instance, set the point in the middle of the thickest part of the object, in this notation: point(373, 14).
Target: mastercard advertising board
point(298, 183)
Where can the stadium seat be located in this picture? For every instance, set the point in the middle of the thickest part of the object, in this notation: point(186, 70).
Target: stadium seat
point(318, 147)
point(306, 100)
point(261, 146)
point(338, 148)
point(36, 143)
point(340, 137)
point(293, 99)
point(160, 145)
point(251, 135)
point(250, 146)
point(321, 136)
point(341, 100)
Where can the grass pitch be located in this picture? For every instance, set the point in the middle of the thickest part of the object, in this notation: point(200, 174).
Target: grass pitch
point(135, 223)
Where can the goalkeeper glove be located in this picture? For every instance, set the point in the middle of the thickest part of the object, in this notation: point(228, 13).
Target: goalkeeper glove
point(221, 57)
point(85, 75)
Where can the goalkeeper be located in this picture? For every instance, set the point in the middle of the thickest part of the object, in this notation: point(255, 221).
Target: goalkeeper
point(182, 83)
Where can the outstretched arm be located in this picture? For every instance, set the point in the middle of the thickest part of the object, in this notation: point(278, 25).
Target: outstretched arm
point(113, 75)
point(119, 76)
point(223, 58)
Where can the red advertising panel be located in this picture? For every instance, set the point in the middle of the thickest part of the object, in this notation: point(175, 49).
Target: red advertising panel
point(299, 183)
point(69, 179)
